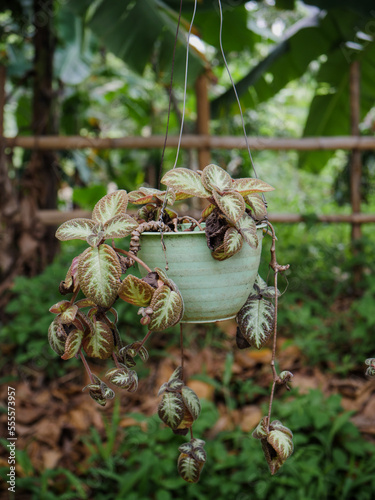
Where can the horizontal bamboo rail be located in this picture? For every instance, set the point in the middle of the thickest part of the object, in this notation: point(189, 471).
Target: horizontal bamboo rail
point(191, 142)
point(56, 217)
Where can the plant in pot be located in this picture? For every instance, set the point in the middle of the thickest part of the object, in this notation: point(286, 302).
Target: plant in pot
point(192, 271)
point(212, 274)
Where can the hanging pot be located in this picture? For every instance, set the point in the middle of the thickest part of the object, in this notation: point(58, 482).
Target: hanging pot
point(212, 290)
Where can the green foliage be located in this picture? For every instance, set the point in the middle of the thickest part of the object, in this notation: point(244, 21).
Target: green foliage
point(331, 460)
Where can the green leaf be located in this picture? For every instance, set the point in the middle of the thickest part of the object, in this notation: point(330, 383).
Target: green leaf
point(110, 206)
point(99, 342)
point(257, 205)
point(215, 178)
point(136, 291)
point(186, 181)
point(188, 468)
point(73, 344)
point(256, 320)
point(231, 204)
point(233, 241)
point(75, 229)
point(249, 185)
point(167, 306)
point(99, 274)
point(119, 226)
point(57, 337)
point(248, 229)
point(171, 409)
point(191, 401)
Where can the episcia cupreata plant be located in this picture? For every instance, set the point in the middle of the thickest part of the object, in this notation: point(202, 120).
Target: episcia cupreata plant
point(87, 326)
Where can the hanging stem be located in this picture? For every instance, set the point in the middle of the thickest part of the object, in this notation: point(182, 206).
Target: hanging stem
point(134, 257)
point(276, 268)
point(182, 351)
point(89, 373)
point(142, 343)
point(116, 360)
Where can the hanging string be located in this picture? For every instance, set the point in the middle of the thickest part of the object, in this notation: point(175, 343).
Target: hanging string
point(182, 119)
point(234, 86)
point(170, 91)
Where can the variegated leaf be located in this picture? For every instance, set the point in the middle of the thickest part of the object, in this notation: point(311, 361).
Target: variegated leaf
point(171, 196)
point(256, 320)
point(99, 342)
point(199, 454)
point(110, 205)
point(175, 385)
point(135, 196)
point(276, 425)
point(250, 185)
point(186, 181)
point(136, 291)
point(75, 229)
point(261, 430)
point(57, 337)
point(189, 468)
point(164, 278)
point(99, 274)
point(182, 196)
point(171, 409)
point(163, 388)
point(185, 424)
point(232, 241)
point(176, 375)
point(119, 377)
point(186, 448)
point(248, 229)
point(191, 401)
point(208, 210)
point(241, 342)
point(60, 307)
point(84, 303)
point(84, 322)
point(167, 306)
point(134, 381)
point(69, 315)
point(107, 391)
point(257, 205)
point(231, 204)
point(282, 443)
point(215, 178)
point(219, 253)
point(71, 283)
point(119, 226)
point(73, 344)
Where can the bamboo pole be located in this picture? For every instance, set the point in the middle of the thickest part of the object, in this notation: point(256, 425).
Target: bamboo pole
point(190, 141)
point(203, 118)
point(56, 217)
point(355, 166)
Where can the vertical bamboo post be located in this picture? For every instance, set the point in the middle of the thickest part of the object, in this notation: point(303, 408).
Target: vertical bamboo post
point(203, 118)
point(356, 164)
point(4, 179)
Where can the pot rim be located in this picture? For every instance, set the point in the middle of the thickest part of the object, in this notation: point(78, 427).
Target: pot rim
point(194, 232)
